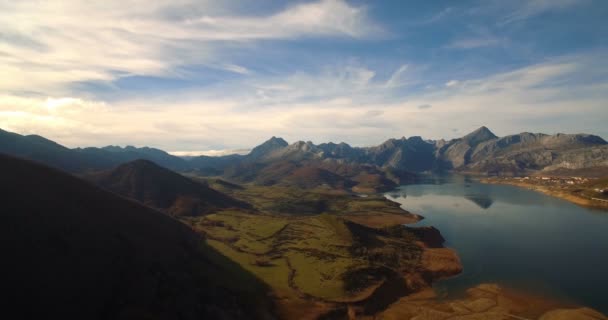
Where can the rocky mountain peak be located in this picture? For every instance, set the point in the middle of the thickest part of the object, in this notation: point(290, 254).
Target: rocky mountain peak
point(480, 135)
point(268, 146)
point(277, 140)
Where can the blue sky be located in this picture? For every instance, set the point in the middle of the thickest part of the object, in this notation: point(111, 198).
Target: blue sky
point(226, 75)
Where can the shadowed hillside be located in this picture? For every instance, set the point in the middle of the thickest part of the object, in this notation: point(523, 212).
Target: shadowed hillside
point(164, 189)
point(73, 251)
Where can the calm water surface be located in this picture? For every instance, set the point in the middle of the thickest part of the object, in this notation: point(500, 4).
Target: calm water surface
point(515, 237)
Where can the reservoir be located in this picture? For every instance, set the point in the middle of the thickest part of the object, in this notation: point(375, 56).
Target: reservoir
point(515, 237)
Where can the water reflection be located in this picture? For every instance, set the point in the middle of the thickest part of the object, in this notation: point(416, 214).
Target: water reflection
point(515, 237)
point(482, 200)
point(467, 188)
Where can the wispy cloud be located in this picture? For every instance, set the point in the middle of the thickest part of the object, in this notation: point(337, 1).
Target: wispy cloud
point(236, 69)
point(326, 17)
point(346, 81)
point(452, 83)
point(439, 15)
point(530, 8)
point(476, 42)
point(398, 78)
point(47, 46)
point(568, 92)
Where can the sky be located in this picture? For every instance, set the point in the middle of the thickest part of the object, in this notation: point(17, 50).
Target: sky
point(214, 77)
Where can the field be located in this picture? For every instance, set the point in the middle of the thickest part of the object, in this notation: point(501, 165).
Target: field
point(320, 251)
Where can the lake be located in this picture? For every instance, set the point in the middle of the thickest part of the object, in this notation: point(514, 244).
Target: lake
point(515, 237)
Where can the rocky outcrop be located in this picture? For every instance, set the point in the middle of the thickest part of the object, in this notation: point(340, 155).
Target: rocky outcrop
point(484, 302)
point(573, 314)
point(440, 263)
point(430, 236)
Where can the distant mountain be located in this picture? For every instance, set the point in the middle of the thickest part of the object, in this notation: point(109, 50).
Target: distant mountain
point(71, 250)
point(267, 148)
point(163, 189)
point(457, 152)
point(478, 136)
point(211, 166)
point(412, 154)
point(46, 151)
point(80, 160)
point(130, 153)
point(480, 151)
point(524, 152)
point(207, 165)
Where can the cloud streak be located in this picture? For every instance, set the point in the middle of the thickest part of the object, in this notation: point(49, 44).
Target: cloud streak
point(473, 43)
point(530, 8)
point(50, 45)
point(537, 97)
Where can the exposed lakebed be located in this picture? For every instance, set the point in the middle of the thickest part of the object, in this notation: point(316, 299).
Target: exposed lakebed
point(515, 237)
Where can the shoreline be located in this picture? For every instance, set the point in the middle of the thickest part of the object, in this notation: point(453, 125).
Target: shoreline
point(560, 194)
point(485, 297)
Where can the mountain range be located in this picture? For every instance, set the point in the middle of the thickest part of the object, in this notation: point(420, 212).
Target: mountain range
point(480, 152)
point(80, 160)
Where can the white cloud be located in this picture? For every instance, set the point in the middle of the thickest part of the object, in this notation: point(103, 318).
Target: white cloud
point(452, 83)
point(45, 46)
point(337, 83)
point(325, 17)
